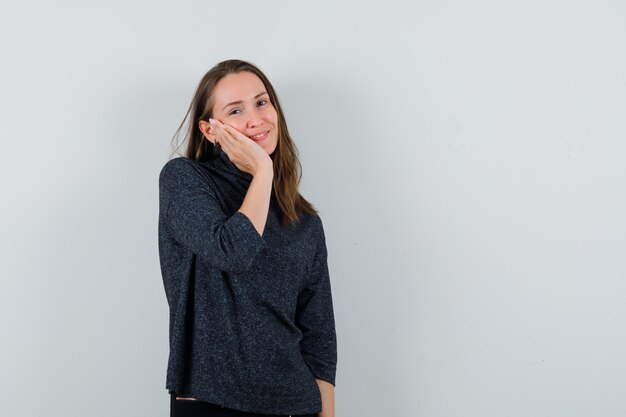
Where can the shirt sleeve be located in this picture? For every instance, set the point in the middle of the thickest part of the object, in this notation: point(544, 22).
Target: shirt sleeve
point(315, 318)
point(195, 219)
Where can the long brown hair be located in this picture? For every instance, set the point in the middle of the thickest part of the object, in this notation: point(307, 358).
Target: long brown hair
point(287, 167)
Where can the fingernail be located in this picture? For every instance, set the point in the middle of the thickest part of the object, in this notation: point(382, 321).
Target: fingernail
point(212, 121)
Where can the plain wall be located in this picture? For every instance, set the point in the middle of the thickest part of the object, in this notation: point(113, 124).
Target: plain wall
point(466, 158)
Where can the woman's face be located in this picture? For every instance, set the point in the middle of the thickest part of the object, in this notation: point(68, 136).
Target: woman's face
point(241, 101)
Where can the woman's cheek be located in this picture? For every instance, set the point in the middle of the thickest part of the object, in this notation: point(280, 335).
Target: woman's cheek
point(234, 122)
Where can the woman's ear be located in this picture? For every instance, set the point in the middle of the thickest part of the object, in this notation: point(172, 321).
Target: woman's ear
point(205, 128)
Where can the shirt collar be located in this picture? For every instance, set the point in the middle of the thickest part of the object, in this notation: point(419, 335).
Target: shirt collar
point(231, 167)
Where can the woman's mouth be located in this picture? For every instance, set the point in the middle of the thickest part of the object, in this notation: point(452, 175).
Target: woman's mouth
point(259, 137)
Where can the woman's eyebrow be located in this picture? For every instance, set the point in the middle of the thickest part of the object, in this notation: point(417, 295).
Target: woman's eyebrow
point(239, 101)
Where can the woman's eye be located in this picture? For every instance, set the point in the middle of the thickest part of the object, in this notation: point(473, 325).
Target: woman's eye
point(260, 102)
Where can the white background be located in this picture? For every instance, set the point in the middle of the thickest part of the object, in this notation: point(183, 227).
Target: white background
point(466, 158)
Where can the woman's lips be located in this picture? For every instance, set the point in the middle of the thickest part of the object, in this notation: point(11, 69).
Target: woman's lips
point(260, 138)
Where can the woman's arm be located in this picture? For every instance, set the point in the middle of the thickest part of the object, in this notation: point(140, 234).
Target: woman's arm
point(257, 201)
point(315, 318)
point(248, 157)
point(191, 213)
point(328, 398)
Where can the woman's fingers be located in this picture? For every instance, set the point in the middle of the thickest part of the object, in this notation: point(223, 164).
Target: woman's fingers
point(223, 137)
point(244, 152)
point(216, 130)
point(234, 133)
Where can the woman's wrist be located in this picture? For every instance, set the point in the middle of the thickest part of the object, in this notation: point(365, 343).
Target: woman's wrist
point(265, 169)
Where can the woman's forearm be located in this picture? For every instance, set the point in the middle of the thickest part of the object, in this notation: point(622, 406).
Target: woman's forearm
point(328, 398)
point(257, 200)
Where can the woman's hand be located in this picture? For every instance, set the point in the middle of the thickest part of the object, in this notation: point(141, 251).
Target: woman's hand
point(327, 391)
point(244, 152)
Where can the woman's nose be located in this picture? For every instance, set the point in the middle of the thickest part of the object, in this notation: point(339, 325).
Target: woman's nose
point(255, 119)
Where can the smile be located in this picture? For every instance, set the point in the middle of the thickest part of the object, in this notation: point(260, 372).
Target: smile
point(259, 137)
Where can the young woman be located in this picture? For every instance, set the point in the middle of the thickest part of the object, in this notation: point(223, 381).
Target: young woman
point(244, 261)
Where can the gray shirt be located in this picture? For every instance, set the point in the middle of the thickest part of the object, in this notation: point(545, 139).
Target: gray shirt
point(251, 321)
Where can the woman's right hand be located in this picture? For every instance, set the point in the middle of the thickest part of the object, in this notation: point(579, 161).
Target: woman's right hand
point(244, 152)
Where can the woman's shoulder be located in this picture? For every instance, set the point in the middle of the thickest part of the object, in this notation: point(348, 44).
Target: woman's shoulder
point(178, 163)
point(312, 222)
point(180, 166)
point(182, 171)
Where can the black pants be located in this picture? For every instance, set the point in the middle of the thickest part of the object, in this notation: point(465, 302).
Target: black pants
point(197, 408)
